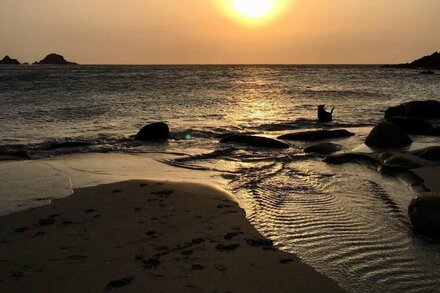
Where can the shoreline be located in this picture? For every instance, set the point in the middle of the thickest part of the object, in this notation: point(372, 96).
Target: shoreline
point(142, 234)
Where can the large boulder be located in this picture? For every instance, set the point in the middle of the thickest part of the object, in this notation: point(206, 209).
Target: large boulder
point(429, 109)
point(255, 141)
point(434, 131)
point(387, 135)
point(9, 61)
point(316, 135)
point(55, 59)
point(323, 148)
point(154, 131)
point(412, 125)
point(424, 214)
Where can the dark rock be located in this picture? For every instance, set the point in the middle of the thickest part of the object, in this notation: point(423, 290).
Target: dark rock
point(429, 153)
point(429, 109)
point(255, 141)
point(154, 131)
point(430, 61)
point(9, 61)
point(323, 148)
point(434, 131)
point(14, 151)
point(316, 135)
point(55, 59)
point(351, 158)
point(412, 125)
point(399, 161)
point(424, 214)
point(387, 135)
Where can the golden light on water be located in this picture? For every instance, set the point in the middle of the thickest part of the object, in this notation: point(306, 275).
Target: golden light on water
point(254, 11)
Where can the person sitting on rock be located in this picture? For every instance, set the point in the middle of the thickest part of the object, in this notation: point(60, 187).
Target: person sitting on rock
point(323, 115)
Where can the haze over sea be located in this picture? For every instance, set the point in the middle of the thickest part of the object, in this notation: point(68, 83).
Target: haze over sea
point(347, 221)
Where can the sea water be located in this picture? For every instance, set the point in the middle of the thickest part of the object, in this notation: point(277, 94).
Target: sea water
point(349, 221)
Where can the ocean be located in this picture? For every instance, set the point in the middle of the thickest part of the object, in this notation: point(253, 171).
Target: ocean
point(349, 221)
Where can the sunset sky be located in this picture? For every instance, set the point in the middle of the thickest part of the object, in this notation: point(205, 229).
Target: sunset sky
point(215, 31)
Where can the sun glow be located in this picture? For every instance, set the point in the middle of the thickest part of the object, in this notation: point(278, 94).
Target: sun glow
point(254, 8)
point(253, 11)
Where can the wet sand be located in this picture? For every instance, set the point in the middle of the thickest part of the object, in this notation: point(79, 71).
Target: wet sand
point(146, 236)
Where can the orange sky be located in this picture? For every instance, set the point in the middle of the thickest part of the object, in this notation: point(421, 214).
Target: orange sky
point(199, 31)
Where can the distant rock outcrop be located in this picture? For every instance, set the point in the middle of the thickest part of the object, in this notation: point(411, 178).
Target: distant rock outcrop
point(429, 62)
point(429, 109)
point(55, 59)
point(9, 61)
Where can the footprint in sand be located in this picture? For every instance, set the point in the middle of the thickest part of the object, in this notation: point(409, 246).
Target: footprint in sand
point(20, 230)
point(260, 242)
point(286, 260)
point(163, 192)
point(45, 222)
point(230, 247)
point(151, 263)
point(75, 257)
point(16, 275)
point(187, 252)
point(114, 284)
point(230, 235)
point(197, 267)
point(151, 233)
point(220, 267)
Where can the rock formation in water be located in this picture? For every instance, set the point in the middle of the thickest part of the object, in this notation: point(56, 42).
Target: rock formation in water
point(9, 61)
point(154, 131)
point(55, 59)
point(429, 109)
point(326, 148)
point(316, 135)
point(387, 135)
point(428, 62)
point(412, 125)
point(255, 141)
point(424, 214)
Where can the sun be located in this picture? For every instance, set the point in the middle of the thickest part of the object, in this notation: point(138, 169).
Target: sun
point(254, 12)
point(253, 9)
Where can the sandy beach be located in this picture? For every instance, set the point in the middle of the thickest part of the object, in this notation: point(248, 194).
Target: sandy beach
point(148, 236)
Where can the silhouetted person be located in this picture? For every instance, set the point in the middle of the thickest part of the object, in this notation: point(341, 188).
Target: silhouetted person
point(323, 115)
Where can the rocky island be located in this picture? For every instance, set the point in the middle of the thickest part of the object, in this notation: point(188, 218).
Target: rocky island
point(427, 62)
point(9, 61)
point(54, 59)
